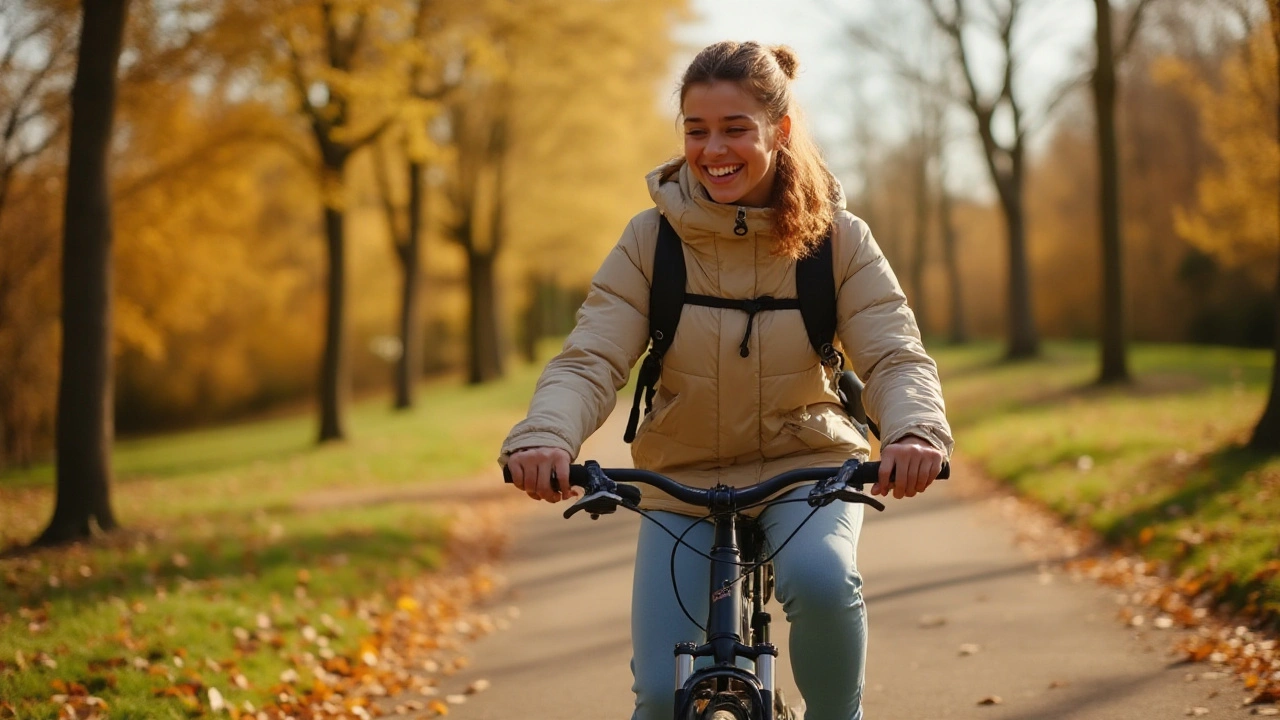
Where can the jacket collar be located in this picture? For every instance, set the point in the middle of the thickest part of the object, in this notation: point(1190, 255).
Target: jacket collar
point(692, 212)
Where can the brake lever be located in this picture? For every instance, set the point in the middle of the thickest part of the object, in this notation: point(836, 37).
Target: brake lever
point(603, 495)
point(837, 487)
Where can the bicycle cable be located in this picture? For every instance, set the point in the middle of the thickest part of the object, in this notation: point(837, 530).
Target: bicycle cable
point(750, 567)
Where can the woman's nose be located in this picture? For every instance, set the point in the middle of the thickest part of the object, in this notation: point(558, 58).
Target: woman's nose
point(715, 145)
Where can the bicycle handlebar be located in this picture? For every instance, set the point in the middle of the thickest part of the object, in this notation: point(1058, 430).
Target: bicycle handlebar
point(845, 483)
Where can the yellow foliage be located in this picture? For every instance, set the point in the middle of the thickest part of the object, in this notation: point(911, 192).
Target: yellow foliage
point(1238, 203)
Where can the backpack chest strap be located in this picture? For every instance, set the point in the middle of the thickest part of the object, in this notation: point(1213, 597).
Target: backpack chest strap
point(750, 307)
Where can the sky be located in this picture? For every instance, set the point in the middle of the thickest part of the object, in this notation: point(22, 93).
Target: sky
point(837, 81)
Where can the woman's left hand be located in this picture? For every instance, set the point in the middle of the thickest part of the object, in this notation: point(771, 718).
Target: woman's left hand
point(916, 462)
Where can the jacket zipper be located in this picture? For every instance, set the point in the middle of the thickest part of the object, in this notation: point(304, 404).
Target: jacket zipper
point(740, 222)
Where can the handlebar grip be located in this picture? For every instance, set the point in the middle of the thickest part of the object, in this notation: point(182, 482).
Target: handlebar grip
point(577, 475)
point(869, 472)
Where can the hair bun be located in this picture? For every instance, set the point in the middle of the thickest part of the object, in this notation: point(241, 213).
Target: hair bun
point(787, 60)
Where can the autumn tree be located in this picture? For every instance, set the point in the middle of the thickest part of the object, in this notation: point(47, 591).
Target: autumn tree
point(549, 181)
point(1266, 436)
point(437, 60)
point(37, 62)
point(85, 399)
point(1237, 214)
point(341, 64)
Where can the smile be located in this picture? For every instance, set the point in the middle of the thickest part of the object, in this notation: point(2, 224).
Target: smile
point(723, 171)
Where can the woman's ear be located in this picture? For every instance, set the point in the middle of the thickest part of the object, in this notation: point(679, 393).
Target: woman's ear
point(784, 132)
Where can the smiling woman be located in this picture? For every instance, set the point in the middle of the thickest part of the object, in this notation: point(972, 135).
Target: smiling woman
point(748, 198)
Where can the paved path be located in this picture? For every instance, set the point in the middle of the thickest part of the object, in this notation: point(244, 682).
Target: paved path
point(941, 571)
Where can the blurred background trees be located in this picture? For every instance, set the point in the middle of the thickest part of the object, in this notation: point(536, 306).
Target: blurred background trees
point(314, 198)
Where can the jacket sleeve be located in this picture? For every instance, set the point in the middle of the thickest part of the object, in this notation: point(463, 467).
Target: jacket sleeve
point(878, 331)
point(579, 387)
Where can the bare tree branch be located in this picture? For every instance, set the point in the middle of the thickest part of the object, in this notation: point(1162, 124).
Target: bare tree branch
point(1131, 31)
point(1059, 95)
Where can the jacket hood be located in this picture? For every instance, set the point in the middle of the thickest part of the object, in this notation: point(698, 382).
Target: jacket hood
point(689, 208)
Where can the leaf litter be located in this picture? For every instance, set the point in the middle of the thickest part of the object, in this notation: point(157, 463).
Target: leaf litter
point(418, 629)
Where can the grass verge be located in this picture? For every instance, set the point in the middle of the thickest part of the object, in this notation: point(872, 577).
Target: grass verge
point(1157, 467)
point(228, 572)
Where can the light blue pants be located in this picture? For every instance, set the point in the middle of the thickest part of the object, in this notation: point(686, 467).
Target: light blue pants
point(817, 583)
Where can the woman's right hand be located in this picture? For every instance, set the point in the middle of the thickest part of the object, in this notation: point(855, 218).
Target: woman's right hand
point(533, 468)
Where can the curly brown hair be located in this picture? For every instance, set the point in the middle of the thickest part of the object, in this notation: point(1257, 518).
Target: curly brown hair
point(803, 189)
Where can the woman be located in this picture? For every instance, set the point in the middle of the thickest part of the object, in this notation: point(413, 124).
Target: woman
point(749, 197)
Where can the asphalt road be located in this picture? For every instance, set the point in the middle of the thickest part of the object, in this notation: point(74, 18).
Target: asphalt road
point(959, 613)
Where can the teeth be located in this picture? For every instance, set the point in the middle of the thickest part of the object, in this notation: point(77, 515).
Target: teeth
point(722, 171)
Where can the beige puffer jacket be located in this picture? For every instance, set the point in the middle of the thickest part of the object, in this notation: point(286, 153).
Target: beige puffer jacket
point(719, 417)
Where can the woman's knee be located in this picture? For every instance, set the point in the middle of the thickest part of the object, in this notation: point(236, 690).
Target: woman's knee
point(823, 579)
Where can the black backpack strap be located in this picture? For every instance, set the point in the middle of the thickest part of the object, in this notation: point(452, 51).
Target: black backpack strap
point(666, 300)
point(750, 307)
point(816, 288)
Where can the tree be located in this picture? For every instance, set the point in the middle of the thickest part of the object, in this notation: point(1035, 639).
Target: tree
point(85, 398)
point(1006, 161)
point(431, 78)
point(37, 46)
point(1114, 346)
point(957, 330)
point(478, 197)
point(341, 60)
point(1237, 214)
point(1266, 435)
point(1004, 152)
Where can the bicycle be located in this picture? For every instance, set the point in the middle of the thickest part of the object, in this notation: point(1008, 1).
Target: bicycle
point(739, 628)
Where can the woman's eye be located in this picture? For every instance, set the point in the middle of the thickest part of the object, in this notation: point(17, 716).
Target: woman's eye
point(695, 132)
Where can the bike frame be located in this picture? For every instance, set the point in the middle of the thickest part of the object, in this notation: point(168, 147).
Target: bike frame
point(725, 630)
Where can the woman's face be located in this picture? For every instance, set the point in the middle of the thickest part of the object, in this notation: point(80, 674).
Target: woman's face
point(730, 144)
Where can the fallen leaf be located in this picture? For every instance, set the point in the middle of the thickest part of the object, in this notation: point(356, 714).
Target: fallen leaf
point(478, 686)
point(1269, 696)
point(932, 621)
point(1057, 684)
point(968, 649)
point(216, 703)
point(1197, 711)
point(438, 707)
point(991, 700)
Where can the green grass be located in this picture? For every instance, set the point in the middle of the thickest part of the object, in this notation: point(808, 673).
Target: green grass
point(222, 525)
point(1158, 467)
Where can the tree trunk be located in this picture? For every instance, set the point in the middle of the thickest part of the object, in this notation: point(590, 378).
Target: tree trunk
point(1266, 435)
point(410, 363)
point(485, 361)
point(333, 374)
point(1023, 340)
point(85, 428)
point(959, 334)
point(920, 257)
point(1115, 364)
